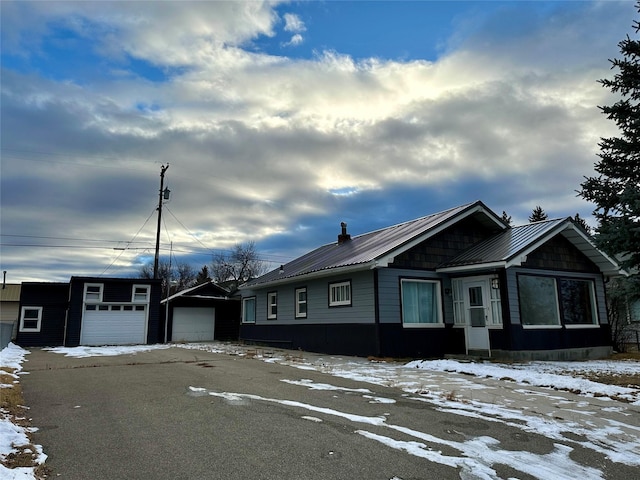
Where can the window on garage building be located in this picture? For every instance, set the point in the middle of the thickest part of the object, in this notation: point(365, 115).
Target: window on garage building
point(93, 292)
point(272, 305)
point(30, 319)
point(249, 310)
point(340, 294)
point(421, 304)
point(301, 302)
point(140, 293)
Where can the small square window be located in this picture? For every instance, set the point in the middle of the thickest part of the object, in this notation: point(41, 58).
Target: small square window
point(140, 293)
point(30, 319)
point(93, 292)
point(340, 294)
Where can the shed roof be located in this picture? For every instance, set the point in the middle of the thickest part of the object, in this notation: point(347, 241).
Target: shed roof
point(10, 292)
point(510, 247)
point(377, 248)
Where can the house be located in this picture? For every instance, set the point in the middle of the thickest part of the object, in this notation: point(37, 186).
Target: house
point(90, 311)
point(459, 281)
point(9, 309)
point(205, 312)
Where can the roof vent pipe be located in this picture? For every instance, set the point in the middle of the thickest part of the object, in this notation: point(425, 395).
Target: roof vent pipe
point(344, 236)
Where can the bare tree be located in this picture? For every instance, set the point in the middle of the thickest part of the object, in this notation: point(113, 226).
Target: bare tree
point(178, 277)
point(241, 264)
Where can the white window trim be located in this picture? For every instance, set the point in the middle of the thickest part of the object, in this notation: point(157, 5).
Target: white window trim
point(22, 319)
point(339, 303)
point(595, 317)
point(100, 294)
point(440, 322)
point(147, 288)
point(298, 302)
point(270, 314)
point(244, 309)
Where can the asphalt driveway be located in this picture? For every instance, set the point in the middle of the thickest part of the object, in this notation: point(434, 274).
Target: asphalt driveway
point(189, 414)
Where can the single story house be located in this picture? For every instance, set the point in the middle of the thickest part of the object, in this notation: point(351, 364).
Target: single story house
point(202, 313)
point(456, 282)
point(90, 311)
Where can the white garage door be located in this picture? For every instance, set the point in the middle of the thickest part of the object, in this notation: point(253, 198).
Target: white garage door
point(114, 325)
point(193, 324)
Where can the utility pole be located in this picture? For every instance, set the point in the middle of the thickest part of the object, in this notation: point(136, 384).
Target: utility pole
point(164, 193)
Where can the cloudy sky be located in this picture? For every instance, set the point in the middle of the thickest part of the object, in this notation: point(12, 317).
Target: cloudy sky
point(279, 120)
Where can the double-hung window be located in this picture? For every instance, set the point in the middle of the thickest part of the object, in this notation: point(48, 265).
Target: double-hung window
point(30, 319)
point(421, 305)
point(340, 294)
point(301, 302)
point(249, 310)
point(272, 305)
point(92, 292)
point(141, 293)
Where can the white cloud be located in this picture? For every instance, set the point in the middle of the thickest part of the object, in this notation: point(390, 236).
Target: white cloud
point(258, 142)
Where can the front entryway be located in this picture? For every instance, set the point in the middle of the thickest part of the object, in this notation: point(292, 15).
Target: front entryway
point(477, 309)
point(477, 313)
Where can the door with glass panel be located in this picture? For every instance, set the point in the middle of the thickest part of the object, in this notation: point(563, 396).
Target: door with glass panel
point(476, 307)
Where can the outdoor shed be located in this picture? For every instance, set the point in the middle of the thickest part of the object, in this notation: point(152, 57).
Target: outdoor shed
point(458, 282)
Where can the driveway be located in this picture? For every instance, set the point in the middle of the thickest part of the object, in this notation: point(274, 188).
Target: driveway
point(189, 414)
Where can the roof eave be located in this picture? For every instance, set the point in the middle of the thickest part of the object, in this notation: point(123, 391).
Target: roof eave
point(472, 267)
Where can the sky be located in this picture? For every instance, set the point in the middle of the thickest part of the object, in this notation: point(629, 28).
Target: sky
point(548, 398)
point(279, 120)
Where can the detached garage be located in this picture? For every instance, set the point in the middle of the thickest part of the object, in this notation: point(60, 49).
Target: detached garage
point(202, 313)
point(91, 311)
point(193, 324)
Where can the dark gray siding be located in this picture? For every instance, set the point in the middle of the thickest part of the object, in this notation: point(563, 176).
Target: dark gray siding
point(54, 300)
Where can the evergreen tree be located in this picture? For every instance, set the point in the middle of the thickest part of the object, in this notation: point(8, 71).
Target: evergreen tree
point(506, 218)
point(616, 189)
point(582, 223)
point(537, 215)
point(203, 276)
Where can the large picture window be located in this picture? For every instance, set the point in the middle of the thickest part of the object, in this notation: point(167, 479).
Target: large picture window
point(340, 294)
point(30, 319)
point(301, 302)
point(549, 301)
point(578, 302)
point(249, 310)
point(272, 305)
point(538, 301)
point(420, 303)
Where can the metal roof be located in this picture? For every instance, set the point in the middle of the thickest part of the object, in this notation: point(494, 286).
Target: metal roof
point(510, 247)
point(374, 248)
point(10, 292)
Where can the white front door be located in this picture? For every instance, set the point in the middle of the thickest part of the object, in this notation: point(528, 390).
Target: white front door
point(476, 308)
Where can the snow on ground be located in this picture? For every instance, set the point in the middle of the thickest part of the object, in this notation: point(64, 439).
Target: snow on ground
point(11, 359)
point(548, 398)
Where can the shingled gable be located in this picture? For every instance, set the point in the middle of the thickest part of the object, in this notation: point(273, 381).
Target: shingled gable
point(373, 249)
point(510, 248)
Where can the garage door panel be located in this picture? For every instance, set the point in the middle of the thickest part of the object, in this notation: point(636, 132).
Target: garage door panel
point(111, 327)
point(193, 324)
